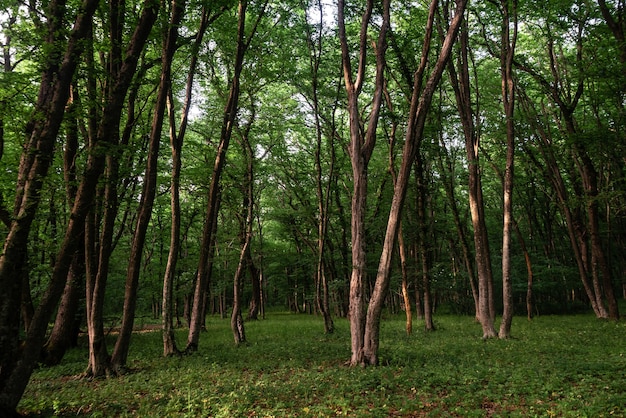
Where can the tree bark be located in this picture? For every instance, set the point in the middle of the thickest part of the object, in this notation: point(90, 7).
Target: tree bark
point(122, 344)
point(210, 224)
point(461, 86)
point(360, 150)
point(17, 365)
point(420, 103)
point(508, 40)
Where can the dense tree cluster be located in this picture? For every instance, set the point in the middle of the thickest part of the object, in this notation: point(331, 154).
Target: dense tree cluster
point(174, 159)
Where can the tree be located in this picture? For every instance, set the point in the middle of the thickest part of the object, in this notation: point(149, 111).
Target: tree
point(176, 143)
point(565, 87)
point(460, 79)
point(120, 351)
point(507, 50)
point(62, 58)
point(361, 146)
point(210, 224)
point(420, 103)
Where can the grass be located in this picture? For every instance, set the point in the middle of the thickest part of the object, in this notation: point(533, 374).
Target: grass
point(554, 366)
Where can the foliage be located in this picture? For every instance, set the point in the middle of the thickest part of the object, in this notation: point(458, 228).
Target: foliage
point(554, 366)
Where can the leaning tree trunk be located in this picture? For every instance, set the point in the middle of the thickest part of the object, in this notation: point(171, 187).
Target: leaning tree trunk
point(66, 326)
point(210, 224)
point(420, 103)
point(120, 351)
point(17, 361)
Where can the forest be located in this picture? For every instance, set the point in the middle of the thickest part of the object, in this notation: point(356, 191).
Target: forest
point(166, 161)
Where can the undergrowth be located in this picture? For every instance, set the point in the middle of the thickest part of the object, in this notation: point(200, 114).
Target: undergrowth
point(553, 366)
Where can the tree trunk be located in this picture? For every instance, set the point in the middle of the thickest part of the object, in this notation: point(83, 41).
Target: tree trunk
point(17, 365)
point(420, 103)
point(360, 150)
point(461, 85)
point(210, 224)
point(405, 283)
point(508, 100)
point(323, 196)
point(120, 351)
point(176, 142)
point(422, 243)
point(66, 325)
point(236, 319)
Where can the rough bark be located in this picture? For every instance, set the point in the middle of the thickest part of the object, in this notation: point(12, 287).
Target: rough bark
point(360, 149)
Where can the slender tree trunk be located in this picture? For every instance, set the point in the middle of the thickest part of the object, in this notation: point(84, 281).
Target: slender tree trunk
point(461, 85)
point(420, 103)
point(405, 283)
point(509, 12)
point(401, 246)
point(323, 197)
point(236, 319)
point(120, 351)
point(210, 225)
point(422, 243)
point(245, 257)
point(16, 364)
point(176, 142)
point(94, 303)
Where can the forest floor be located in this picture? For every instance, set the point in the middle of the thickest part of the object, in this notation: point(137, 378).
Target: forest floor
point(554, 366)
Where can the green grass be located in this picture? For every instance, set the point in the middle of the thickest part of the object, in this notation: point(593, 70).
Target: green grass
point(554, 366)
